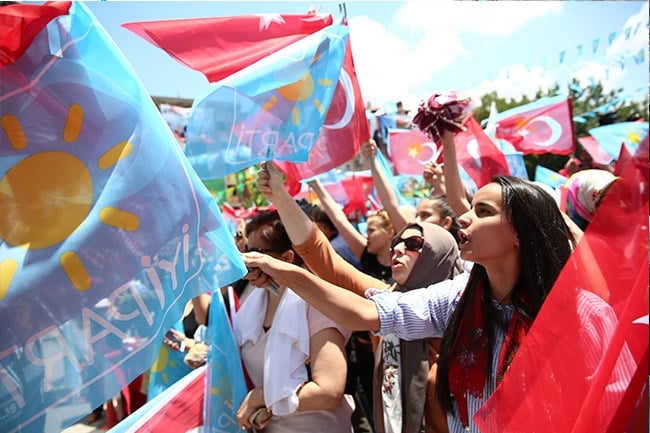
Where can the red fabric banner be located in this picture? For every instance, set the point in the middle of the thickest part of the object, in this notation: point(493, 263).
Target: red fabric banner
point(219, 47)
point(583, 366)
point(478, 155)
point(20, 23)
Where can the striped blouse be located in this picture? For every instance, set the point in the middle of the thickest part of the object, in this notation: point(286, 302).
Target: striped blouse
point(425, 313)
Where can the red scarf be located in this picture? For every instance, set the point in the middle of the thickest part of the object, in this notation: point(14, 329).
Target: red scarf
point(469, 354)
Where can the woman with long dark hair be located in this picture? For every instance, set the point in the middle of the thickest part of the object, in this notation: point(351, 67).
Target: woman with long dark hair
point(518, 241)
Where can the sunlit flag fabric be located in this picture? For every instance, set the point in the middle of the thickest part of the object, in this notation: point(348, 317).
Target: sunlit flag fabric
point(549, 177)
point(611, 137)
point(544, 126)
point(583, 366)
point(344, 130)
point(104, 226)
point(410, 150)
point(273, 109)
point(478, 154)
point(220, 46)
point(225, 384)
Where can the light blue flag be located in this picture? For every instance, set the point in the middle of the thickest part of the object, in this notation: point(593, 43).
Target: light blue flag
point(611, 137)
point(516, 164)
point(225, 384)
point(273, 109)
point(104, 229)
point(168, 368)
point(549, 177)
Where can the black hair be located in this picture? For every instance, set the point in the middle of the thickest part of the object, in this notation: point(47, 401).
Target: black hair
point(442, 205)
point(272, 232)
point(539, 224)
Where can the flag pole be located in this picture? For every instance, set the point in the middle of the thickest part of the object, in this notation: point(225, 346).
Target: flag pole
point(344, 10)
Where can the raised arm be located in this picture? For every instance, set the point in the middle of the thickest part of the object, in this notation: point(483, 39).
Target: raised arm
point(433, 174)
point(308, 241)
point(454, 185)
point(389, 200)
point(342, 306)
point(351, 235)
point(295, 221)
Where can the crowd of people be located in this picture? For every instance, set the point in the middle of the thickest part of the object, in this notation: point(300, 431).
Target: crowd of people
point(407, 327)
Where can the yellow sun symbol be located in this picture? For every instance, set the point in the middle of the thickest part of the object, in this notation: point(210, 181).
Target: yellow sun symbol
point(299, 91)
point(162, 362)
point(47, 195)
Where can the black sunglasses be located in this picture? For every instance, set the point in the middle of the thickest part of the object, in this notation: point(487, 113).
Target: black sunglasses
point(412, 243)
point(263, 250)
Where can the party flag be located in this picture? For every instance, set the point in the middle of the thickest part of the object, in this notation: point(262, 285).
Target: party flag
point(168, 367)
point(344, 130)
point(273, 109)
point(544, 126)
point(549, 177)
point(225, 384)
point(611, 137)
point(105, 227)
point(596, 316)
point(410, 150)
point(478, 155)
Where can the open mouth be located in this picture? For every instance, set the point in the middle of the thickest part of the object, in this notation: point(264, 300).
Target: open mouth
point(464, 239)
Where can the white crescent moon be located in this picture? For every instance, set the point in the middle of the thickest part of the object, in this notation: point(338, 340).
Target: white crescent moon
point(472, 149)
point(556, 130)
point(434, 152)
point(346, 82)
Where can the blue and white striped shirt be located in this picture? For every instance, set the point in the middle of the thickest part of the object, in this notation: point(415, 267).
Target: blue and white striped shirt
point(425, 313)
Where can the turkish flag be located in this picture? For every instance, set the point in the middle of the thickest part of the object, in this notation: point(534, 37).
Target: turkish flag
point(478, 155)
point(219, 47)
point(545, 126)
point(344, 130)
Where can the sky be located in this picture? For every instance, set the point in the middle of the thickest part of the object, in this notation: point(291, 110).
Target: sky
point(408, 50)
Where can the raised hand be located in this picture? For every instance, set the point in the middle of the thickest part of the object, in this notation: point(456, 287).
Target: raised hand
point(270, 181)
point(368, 149)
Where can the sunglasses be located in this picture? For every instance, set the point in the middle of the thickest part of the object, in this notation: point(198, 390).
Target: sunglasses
point(412, 243)
point(263, 250)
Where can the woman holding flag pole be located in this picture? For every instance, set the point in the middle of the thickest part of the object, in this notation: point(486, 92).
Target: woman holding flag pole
point(482, 316)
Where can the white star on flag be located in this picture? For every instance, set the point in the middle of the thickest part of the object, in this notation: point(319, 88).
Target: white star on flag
point(267, 19)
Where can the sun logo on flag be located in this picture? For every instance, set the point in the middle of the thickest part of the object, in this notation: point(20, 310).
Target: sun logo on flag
point(633, 136)
point(47, 195)
point(416, 150)
point(162, 362)
point(300, 91)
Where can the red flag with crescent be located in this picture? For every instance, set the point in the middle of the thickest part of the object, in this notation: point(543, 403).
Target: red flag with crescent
point(478, 155)
point(544, 126)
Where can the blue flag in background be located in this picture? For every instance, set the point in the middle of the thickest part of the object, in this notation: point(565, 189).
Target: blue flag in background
point(104, 231)
point(549, 177)
point(225, 384)
point(611, 137)
point(273, 109)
